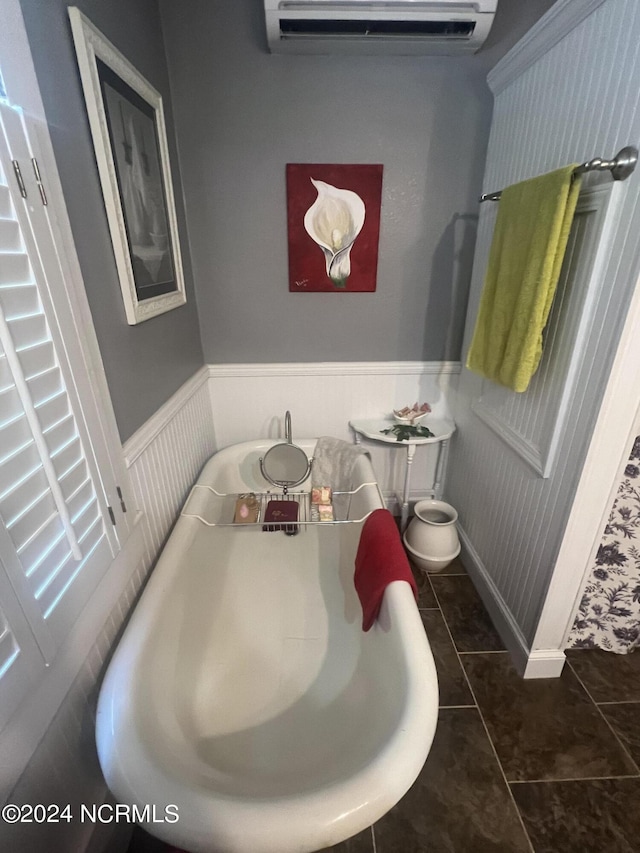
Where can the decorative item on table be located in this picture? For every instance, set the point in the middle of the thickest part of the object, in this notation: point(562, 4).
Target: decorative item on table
point(247, 509)
point(411, 414)
point(281, 515)
point(321, 505)
point(404, 432)
point(407, 423)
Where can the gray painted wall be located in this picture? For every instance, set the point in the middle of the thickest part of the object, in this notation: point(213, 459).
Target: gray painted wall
point(242, 114)
point(146, 363)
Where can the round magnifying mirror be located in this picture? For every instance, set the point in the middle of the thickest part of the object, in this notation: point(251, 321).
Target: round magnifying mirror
point(285, 465)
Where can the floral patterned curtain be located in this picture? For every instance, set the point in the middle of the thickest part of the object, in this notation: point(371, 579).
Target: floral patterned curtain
point(609, 614)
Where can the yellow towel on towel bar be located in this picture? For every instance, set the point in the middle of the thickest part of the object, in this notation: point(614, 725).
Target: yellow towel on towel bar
point(529, 242)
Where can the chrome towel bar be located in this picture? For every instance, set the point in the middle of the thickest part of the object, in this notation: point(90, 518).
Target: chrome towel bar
point(620, 167)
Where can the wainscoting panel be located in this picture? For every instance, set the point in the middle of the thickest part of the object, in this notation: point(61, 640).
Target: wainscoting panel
point(574, 101)
point(165, 456)
point(249, 401)
point(532, 423)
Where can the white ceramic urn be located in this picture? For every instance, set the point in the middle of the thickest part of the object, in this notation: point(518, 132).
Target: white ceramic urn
point(431, 537)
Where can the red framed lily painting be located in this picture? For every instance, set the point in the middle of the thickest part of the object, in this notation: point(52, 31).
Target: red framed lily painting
point(333, 218)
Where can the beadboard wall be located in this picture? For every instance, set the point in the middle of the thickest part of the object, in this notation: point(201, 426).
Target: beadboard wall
point(564, 94)
point(164, 458)
point(250, 400)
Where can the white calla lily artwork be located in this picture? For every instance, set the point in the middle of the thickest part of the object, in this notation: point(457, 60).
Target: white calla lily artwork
point(334, 221)
point(333, 224)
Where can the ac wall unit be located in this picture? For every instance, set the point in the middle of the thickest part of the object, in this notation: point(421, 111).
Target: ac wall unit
point(405, 27)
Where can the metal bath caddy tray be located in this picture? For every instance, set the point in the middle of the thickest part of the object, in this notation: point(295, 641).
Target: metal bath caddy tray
point(217, 509)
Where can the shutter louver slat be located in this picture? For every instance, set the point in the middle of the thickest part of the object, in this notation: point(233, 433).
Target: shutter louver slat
point(68, 573)
point(38, 546)
point(14, 433)
point(15, 269)
point(9, 235)
point(20, 300)
point(60, 434)
point(6, 208)
point(55, 556)
point(6, 379)
point(23, 494)
point(9, 650)
point(47, 590)
point(25, 331)
point(72, 479)
point(67, 455)
point(52, 410)
point(13, 465)
point(11, 408)
point(31, 519)
point(36, 358)
point(45, 385)
point(80, 503)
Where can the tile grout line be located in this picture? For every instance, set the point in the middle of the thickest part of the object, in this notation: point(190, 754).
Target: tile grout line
point(576, 779)
point(613, 731)
point(488, 652)
point(484, 725)
point(438, 609)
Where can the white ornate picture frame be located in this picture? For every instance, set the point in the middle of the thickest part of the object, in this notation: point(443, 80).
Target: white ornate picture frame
point(126, 118)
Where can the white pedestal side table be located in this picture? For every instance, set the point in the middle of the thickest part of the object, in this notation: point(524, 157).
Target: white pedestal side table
point(442, 431)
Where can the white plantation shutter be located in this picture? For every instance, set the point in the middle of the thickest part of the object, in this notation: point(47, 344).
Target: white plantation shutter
point(20, 658)
point(56, 536)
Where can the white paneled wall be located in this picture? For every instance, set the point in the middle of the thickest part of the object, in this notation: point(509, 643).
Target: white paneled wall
point(250, 400)
point(569, 92)
point(164, 458)
point(533, 422)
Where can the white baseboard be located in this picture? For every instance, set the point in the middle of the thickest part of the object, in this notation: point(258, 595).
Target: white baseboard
point(542, 663)
point(545, 663)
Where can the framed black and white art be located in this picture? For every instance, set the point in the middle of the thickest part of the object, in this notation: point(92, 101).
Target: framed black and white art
point(130, 140)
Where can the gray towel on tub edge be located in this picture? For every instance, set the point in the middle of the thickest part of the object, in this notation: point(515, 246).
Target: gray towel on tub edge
point(333, 461)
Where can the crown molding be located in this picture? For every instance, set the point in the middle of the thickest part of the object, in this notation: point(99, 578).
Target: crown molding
point(554, 25)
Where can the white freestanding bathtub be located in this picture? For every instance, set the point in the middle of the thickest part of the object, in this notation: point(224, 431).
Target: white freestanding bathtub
point(244, 693)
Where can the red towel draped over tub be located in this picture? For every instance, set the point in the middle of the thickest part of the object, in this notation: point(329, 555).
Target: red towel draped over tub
point(380, 559)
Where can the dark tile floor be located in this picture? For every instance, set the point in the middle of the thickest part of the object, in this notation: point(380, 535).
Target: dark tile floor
point(544, 766)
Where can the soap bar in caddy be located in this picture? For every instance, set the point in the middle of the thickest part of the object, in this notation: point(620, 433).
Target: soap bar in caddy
point(247, 510)
point(321, 506)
